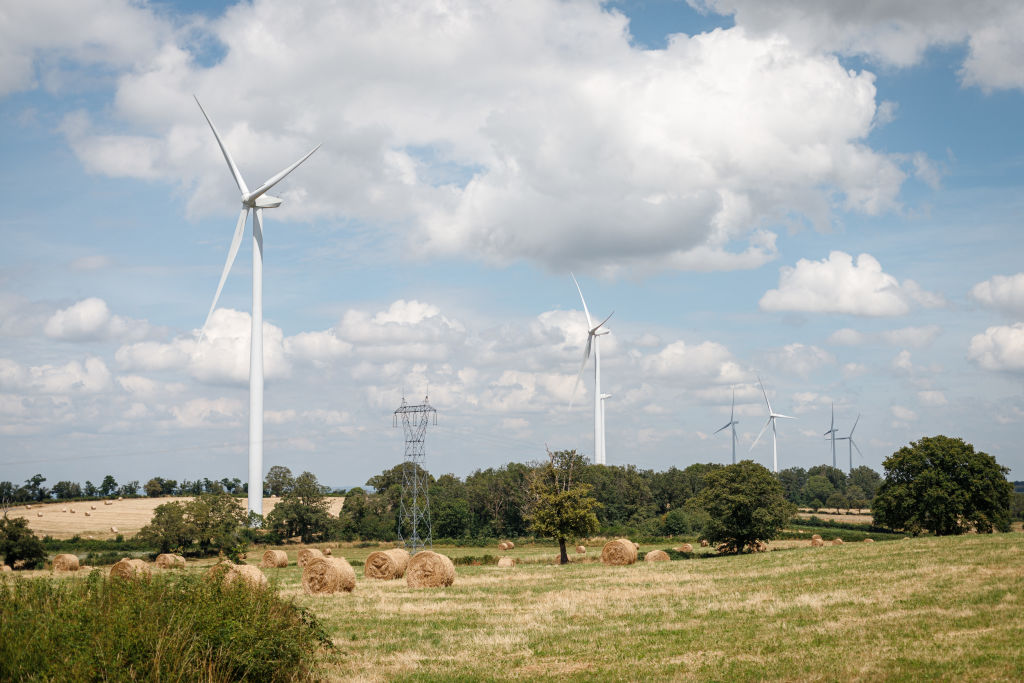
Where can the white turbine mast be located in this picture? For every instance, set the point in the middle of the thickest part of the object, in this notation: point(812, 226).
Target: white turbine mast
point(731, 423)
point(852, 443)
point(772, 416)
point(594, 332)
point(255, 200)
point(832, 433)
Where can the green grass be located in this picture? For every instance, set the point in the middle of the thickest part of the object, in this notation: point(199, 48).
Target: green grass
point(928, 608)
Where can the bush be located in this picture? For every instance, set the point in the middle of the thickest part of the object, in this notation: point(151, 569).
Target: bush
point(19, 544)
point(171, 627)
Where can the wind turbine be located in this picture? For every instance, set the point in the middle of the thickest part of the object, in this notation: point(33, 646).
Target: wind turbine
point(255, 201)
point(852, 444)
point(604, 397)
point(732, 423)
point(832, 431)
point(593, 333)
point(772, 416)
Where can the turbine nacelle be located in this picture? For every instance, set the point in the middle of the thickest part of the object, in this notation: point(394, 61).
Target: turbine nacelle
point(264, 201)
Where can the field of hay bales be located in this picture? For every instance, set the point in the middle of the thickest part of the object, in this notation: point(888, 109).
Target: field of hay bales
point(127, 516)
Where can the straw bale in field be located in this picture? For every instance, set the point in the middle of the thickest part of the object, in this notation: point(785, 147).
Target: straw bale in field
point(28, 507)
point(328, 575)
point(327, 552)
point(428, 569)
point(506, 562)
point(113, 529)
point(5, 568)
point(108, 502)
point(502, 546)
point(581, 549)
point(510, 545)
point(761, 547)
point(170, 561)
point(704, 543)
point(656, 556)
point(92, 507)
point(869, 540)
point(275, 559)
point(88, 514)
point(307, 554)
point(386, 564)
point(39, 514)
point(72, 510)
point(816, 537)
point(685, 548)
point(817, 543)
point(66, 562)
point(619, 552)
point(130, 568)
point(229, 572)
point(120, 498)
point(837, 541)
point(63, 509)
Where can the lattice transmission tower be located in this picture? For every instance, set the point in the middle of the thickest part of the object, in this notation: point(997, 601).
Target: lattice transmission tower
point(414, 518)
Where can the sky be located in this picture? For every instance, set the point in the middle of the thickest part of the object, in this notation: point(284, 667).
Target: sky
point(821, 194)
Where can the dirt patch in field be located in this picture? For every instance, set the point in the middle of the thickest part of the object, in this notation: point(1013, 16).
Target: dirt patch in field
point(836, 516)
point(127, 516)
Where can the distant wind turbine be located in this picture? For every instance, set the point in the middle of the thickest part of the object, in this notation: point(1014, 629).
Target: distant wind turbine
point(731, 423)
point(832, 432)
point(593, 334)
point(255, 200)
point(852, 443)
point(772, 416)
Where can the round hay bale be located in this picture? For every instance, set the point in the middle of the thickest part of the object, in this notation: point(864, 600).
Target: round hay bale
point(274, 559)
point(5, 568)
point(72, 510)
point(704, 543)
point(817, 543)
point(229, 572)
point(120, 498)
point(130, 568)
point(63, 509)
point(837, 541)
point(428, 569)
point(65, 562)
point(619, 552)
point(816, 537)
point(685, 548)
point(869, 540)
point(656, 556)
point(39, 514)
point(92, 507)
point(327, 552)
point(506, 562)
point(328, 575)
point(307, 554)
point(636, 546)
point(170, 561)
point(581, 549)
point(88, 514)
point(108, 502)
point(386, 564)
point(503, 546)
point(509, 545)
point(761, 547)
point(113, 529)
point(27, 507)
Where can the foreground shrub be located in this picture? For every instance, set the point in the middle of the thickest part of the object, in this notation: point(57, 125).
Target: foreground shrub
point(172, 627)
point(19, 545)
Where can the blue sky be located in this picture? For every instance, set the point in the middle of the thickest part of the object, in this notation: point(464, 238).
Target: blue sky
point(825, 195)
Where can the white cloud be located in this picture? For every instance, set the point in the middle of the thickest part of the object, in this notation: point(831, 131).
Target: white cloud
point(847, 337)
point(932, 398)
point(837, 285)
point(851, 370)
point(799, 359)
point(1002, 292)
point(999, 348)
point(903, 414)
point(91, 319)
point(88, 377)
point(205, 412)
point(708, 361)
point(917, 337)
point(902, 361)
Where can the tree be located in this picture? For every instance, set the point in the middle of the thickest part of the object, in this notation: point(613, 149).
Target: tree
point(817, 490)
point(745, 504)
point(835, 476)
point(838, 500)
point(154, 488)
point(218, 521)
point(867, 479)
point(858, 499)
point(19, 544)
point(67, 489)
point(559, 505)
point(108, 486)
point(129, 490)
point(940, 484)
point(793, 480)
point(169, 529)
point(302, 511)
point(279, 479)
point(90, 489)
point(35, 487)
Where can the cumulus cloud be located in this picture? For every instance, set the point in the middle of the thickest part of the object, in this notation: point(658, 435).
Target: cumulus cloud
point(1002, 292)
point(91, 319)
point(511, 131)
point(999, 348)
point(932, 398)
point(838, 285)
point(799, 359)
point(914, 336)
point(707, 360)
point(903, 414)
point(206, 412)
point(88, 377)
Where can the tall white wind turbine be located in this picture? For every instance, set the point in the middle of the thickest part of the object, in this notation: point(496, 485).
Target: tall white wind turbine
point(594, 332)
point(832, 432)
point(255, 200)
point(731, 423)
point(852, 443)
point(772, 416)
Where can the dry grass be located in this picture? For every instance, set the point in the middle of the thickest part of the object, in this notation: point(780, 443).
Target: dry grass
point(127, 516)
point(834, 515)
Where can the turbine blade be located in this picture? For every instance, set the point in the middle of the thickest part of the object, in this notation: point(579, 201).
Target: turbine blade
point(857, 447)
point(725, 427)
point(224, 150)
point(732, 411)
point(590, 323)
point(279, 177)
point(236, 240)
point(603, 322)
point(854, 425)
point(760, 434)
point(767, 402)
point(583, 366)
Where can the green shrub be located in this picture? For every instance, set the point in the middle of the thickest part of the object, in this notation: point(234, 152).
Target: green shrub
point(172, 627)
point(19, 544)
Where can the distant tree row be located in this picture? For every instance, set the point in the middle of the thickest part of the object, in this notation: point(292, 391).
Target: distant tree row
point(827, 486)
point(34, 491)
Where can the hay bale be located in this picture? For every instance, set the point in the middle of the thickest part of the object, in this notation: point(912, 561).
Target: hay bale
point(656, 556)
point(63, 509)
point(5, 568)
point(428, 569)
point(869, 540)
point(506, 562)
point(39, 514)
point(170, 561)
point(386, 564)
point(120, 498)
point(113, 529)
point(509, 545)
point(88, 514)
point(327, 552)
point(502, 546)
point(72, 510)
point(837, 541)
point(619, 552)
point(307, 554)
point(817, 543)
point(816, 537)
point(761, 547)
point(685, 548)
point(704, 543)
point(108, 502)
point(328, 575)
point(228, 572)
point(274, 559)
point(581, 549)
point(65, 562)
point(92, 507)
point(130, 568)
point(27, 507)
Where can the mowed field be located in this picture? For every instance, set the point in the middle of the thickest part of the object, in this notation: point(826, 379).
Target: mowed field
point(127, 516)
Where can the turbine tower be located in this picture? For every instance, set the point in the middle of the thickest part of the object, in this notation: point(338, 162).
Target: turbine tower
point(832, 432)
point(772, 416)
point(255, 201)
point(593, 334)
point(852, 443)
point(731, 423)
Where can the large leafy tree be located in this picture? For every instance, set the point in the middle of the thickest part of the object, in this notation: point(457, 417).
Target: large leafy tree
point(744, 504)
point(942, 485)
point(19, 544)
point(279, 479)
point(302, 511)
point(559, 505)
